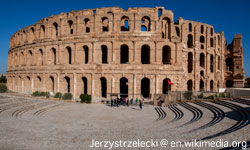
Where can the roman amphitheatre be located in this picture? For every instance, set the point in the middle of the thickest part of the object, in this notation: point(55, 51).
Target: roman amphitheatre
point(135, 52)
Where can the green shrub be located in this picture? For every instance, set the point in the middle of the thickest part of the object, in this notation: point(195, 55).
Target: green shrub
point(67, 96)
point(210, 97)
point(58, 95)
point(201, 95)
point(222, 95)
point(3, 88)
point(36, 93)
point(85, 98)
point(188, 95)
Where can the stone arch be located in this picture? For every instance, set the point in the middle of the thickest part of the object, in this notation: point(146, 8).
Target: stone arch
point(166, 27)
point(85, 85)
point(124, 87)
point(145, 54)
point(40, 57)
point(229, 83)
point(177, 30)
point(145, 87)
point(190, 27)
point(29, 58)
point(190, 62)
point(68, 86)
point(202, 39)
point(54, 30)
point(211, 85)
point(86, 54)
point(103, 81)
point(202, 60)
point(21, 57)
point(211, 42)
point(219, 40)
point(32, 34)
point(202, 29)
point(53, 56)
point(51, 84)
point(145, 24)
point(70, 27)
point(68, 55)
point(38, 83)
point(229, 64)
point(190, 42)
point(124, 54)
point(105, 24)
point(104, 54)
point(211, 63)
point(27, 85)
point(166, 54)
point(190, 85)
point(125, 23)
point(166, 86)
point(87, 25)
point(201, 85)
point(42, 32)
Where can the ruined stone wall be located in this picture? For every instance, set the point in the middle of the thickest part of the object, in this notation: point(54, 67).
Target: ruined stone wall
point(110, 50)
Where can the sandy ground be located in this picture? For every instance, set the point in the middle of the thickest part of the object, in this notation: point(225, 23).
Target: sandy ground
point(35, 124)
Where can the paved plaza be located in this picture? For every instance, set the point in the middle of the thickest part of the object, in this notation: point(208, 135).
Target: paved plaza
point(32, 124)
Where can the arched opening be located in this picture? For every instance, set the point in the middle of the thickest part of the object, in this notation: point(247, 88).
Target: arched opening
point(124, 23)
point(145, 23)
point(42, 32)
point(124, 87)
point(87, 25)
point(166, 86)
point(22, 59)
point(103, 87)
point(211, 85)
point(190, 27)
point(104, 54)
point(166, 27)
point(202, 39)
point(202, 73)
point(68, 55)
point(211, 42)
point(70, 24)
point(145, 87)
point(229, 64)
point(32, 34)
point(218, 40)
point(67, 80)
point(55, 30)
point(145, 54)
point(190, 85)
point(105, 24)
point(190, 42)
point(27, 85)
point(229, 83)
point(86, 53)
point(201, 85)
point(177, 30)
point(38, 83)
point(40, 59)
point(218, 62)
point(202, 60)
point(85, 85)
point(166, 55)
point(51, 84)
point(212, 31)
point(53, 53)
point(124, 54)
point(211, 63)
point(190, 62)
point(29, 61)
point(202, 29)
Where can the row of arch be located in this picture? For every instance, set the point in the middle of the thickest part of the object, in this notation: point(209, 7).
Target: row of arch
point(29, 35)
point(202, 61)
point(52, 55)
point(190, 41)
point(51, 85)
point(201, 85)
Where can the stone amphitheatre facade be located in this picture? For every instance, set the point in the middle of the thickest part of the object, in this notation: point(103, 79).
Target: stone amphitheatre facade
point(111, 50)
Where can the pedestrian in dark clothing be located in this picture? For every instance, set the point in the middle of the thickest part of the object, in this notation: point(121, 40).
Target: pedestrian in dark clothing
point(131, 101)
point(127, 102)
point(111, 102)
point(115, 101)
point(140, 104)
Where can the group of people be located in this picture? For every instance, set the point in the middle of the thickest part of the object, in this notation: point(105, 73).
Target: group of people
point(125, 101)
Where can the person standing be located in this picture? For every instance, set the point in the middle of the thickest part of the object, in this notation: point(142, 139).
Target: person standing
point(140, 104)
point(127, 102)
point(136, 101)
point(131, 101)
point(112, 102)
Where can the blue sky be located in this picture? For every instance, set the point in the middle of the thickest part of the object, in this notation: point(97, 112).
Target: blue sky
point(229, 16)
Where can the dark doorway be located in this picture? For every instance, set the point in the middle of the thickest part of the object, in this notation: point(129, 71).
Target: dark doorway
point(67, 83)
point(124, 54)
point(86, 52)
point(190, 62)
point(104, 54)
point(54, 56)
point(211, 85)
point(229, 83)
point(69, 54)
point(124, 87)
point(190, 42)
point(52, 83)
point(201, 85)
point(166, 55)
point(202, 60)
point(166, 86)
point(103, 87)
point(190, 85)
point(145, 87)
point(229, 63)
point(85, 85)
point(145, 54)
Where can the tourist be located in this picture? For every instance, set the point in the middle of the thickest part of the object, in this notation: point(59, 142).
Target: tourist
point(112, 102)
point(127, 102)
point(131, 101)
point(140, 104)
point(136, 101)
